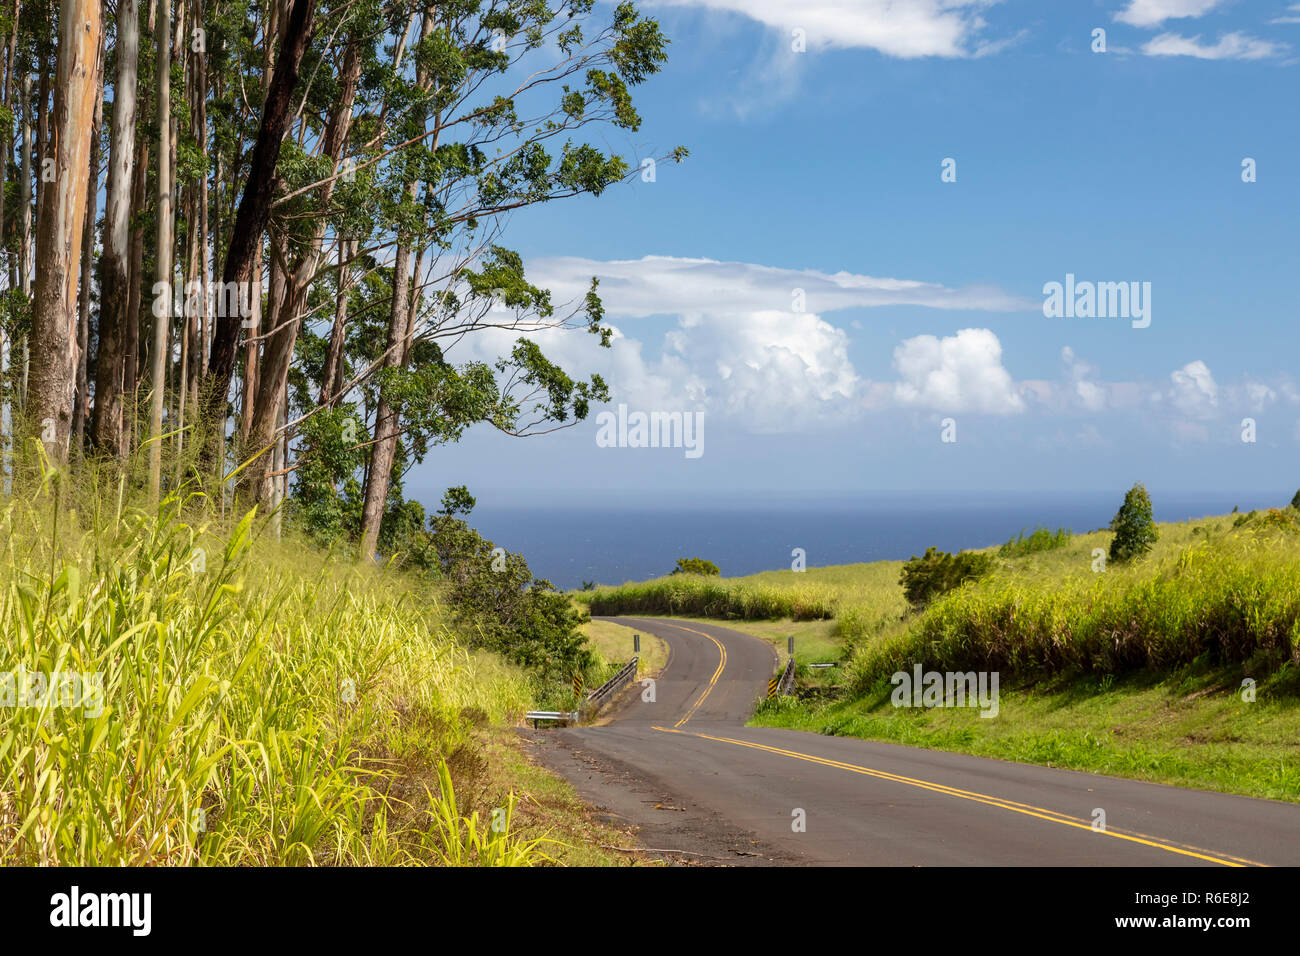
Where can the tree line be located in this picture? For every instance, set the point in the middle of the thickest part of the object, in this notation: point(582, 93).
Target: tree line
point(241, 238)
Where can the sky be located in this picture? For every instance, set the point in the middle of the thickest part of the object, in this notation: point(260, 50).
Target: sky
point(847, 277)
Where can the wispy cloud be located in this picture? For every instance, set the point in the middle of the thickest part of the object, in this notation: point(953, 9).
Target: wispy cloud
point(919, 28)
point(1291, 16)
point(1152, 13)
point(658, 285)
point(1230, 46)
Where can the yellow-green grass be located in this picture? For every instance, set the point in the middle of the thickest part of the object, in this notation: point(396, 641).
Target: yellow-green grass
point(1226, 596)
point(613, 642)
point(1192, 731)
point(262, 703)
point(713, 597)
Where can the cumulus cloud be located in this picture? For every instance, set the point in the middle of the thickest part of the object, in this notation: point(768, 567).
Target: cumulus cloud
point(943, 28)
point(774, 370)
point(1151, 13)
point(751, 342)
point(1230, 46)
point(1194, 392)
point(959, 373)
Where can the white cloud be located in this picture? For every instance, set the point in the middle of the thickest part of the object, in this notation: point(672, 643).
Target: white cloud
point(1090, 395)
point(960, 373)
point(772, 370)
point(1195, 392)
point(1258, 395)
point(668, 285)
point(1230, 46)
point(738, 349)
point(1292, 15)
point(1150, 13)
point(945, 28)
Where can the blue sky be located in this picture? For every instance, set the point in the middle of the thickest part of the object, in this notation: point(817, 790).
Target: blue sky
point(923, 300)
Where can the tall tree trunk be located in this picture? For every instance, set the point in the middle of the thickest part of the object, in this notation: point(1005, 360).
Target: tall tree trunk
point(62, 216)
point(81, 406)
point(245, 246)
point(278, 352)
point(332, 373)
point(106, 427)
point(201, 131)
point(163, 273)
point(6, 342)
point(387, 414)
point(135, 285)
point(25, 240)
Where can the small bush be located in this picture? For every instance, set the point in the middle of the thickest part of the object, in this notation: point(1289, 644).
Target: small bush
point(695, 566)
point(1135, 531)
point(937, 572)
point(1041, 539)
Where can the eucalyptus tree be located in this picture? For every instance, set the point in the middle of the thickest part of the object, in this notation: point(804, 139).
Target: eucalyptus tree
point(60, 219)
point(475, 123)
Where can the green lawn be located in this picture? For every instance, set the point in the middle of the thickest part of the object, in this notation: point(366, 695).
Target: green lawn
point(614, 643)
point(1193, 732)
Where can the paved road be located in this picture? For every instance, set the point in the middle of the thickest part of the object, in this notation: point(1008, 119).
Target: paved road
point(694, 780)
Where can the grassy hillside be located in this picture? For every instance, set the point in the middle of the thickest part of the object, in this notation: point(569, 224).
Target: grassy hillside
point(613, 643)
point(240, 701)
point(1135, 669)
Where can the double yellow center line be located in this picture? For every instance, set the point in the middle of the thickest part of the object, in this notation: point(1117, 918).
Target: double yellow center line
point(1028, 809)
point(722, 662)
point(1040, 813)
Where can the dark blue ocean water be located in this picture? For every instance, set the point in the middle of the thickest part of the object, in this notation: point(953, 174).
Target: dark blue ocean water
point(610, 544)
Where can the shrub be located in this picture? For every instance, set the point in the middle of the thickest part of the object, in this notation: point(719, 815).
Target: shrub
point(938, 572)
point(1041, 539)
point(1295, 502)
point(1135, 531)
point(695, 566)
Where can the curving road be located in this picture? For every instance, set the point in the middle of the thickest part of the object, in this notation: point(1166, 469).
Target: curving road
point(702, 787)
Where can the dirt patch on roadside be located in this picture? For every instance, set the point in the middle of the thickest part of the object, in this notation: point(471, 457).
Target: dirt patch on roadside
point(669, 827)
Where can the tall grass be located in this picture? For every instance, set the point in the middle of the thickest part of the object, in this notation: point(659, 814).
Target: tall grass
point(1220, 601)
point(262, 703)
point(695, 595)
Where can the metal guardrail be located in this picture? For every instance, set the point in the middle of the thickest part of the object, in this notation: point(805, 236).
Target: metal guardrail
point(559, 716)
point(593, 701)
point(602, 694)
point(783, 683)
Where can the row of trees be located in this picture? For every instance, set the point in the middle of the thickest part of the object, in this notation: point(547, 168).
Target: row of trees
point(241, 238)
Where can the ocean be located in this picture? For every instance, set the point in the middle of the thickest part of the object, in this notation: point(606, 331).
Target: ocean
point(611, 544)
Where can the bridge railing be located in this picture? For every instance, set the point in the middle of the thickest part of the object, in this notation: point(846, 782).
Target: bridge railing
point(783, 683)
point(603, 694)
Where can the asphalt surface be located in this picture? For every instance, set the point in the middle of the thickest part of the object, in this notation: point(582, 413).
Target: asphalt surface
point(701, 787)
